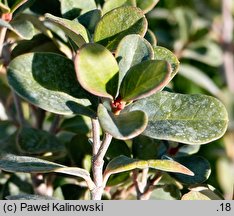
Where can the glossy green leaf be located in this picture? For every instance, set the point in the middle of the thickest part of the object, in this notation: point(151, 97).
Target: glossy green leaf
point(200, 78)
point(198, 165)
point(124, 126)
point(123, 164)
point(97, 70)
point(132, 50)
point(48, 81)
point(161, 53)
point(33, 141)
point(146, 5)
point(190, 119)
point(72, 29)
point(29, 197)
point(71, 9)
point(202, 192)
point(90, 19)
point(144, 79)
point(112, 4)
point(118, 23)
point(22, 28)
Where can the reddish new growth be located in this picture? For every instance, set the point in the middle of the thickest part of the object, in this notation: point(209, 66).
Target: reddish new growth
point(7, 17)
point(117, 105)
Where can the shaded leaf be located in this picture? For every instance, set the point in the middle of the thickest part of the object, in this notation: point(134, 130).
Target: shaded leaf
point(96, 70)
point(198, 165)
point(29, 197)
point(48, 81)
point(161, 53)
point(144, 79)
point(112, 4)
point(90, 19)
point(17, 4)
point(151, 38)
point(146, 5)
point(116, 148)
point(166, 192)
point(123, 164)
point(132, 50)
point(22, 28)
point(72, 29)
point(71, 9)
point(145, 147)
point(33, 141)
point(124, 126)
point(118, 23)
point(190, 119)
point(78, 148)
point(77, 124)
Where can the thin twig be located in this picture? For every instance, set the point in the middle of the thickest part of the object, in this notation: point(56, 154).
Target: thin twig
point(19, 110)
point(2, 39)
point(96, 136)
point(136, 183)
point(97, 165)
point(54, 125)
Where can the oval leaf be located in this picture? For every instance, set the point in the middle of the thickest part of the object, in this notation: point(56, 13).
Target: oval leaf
point(72, 29)
point(200, 167)
point(146, 5)
point(132, 50)
point(151, 38)
point(118, 23)
point(112, 4)
point(71, 9)
point(144, 79)
point(124, 126)
point(22, 28)
point(25, 164)
point(162, 53)
point(33, 141)
point(202, 192)
point(97, 70)
point(190, 119)
point(123, 164)
point(48, 81)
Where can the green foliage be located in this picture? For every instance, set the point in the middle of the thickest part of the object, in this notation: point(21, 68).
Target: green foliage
point(95, 100)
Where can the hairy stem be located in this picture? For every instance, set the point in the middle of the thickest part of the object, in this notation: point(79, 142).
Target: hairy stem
point(97, 165)
point(96, 136)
